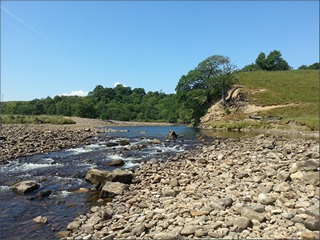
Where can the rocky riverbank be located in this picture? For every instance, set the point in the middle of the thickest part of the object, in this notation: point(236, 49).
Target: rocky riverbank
point(18, 140)
point(258, 188)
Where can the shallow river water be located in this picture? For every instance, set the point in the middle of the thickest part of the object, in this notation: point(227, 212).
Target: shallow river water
point(63, 173)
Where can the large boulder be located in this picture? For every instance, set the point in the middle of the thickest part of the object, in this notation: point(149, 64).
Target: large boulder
point(25, 186)
point(98, 178)
point(119, 175)
point(111, 189)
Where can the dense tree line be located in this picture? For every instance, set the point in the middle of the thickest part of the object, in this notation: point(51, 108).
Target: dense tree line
point(310, 67)
point(119, 103)
point(208, 82)
point(272, 62)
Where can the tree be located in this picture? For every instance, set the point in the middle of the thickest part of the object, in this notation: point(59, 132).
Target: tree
point(210, 79)
point(261, 61)
point(310, 67)
point(273, 62)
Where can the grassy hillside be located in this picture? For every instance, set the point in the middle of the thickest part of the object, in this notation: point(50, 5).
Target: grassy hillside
point(299, 88)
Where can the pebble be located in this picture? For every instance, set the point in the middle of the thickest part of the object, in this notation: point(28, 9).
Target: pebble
point(230, 189)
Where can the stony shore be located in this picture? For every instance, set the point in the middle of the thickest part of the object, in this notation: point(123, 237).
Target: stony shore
point(18, 140)
point(265, 187)
point(252, 188)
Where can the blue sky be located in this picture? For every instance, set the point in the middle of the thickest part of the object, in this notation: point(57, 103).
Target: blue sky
point(51, 48)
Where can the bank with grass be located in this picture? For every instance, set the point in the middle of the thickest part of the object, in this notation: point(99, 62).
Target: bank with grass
point(283, 100)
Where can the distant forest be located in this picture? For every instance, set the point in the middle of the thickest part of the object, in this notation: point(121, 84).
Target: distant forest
point(196, 91)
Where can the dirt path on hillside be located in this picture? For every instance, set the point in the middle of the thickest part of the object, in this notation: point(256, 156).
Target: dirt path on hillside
point(255, 108)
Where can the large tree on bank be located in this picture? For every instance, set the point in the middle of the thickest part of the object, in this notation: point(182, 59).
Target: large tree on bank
point(211, 79)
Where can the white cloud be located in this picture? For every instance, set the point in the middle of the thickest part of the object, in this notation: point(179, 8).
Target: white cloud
point(80, 93)
point(117, 83)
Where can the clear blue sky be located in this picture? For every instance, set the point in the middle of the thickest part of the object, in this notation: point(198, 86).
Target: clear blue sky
point(51, 48)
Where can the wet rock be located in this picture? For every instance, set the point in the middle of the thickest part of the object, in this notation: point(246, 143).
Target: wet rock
point(97, 177)
point(171, 135)
point(25, 186)
point(112, 144)
point(41, 220)
point(118, 162)
point(43, 194)
point(124, 142)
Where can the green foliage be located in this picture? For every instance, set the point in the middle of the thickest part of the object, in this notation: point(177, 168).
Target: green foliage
point(119, 103)
point(211, 79)
point(273, 62)
point(310, 67)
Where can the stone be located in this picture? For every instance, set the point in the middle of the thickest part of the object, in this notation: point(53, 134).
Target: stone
point(250, 214)
point(41, 220)
point(43, 194)
point(97, 178)
point(122, 176)
point(307, 235)
point(282, 187)
point(312, 178)
point(311, 165)
point(63, 234)
point(137, 231)
point(111, 189)
point(200, 233)
point(168, 192)
point(242, 223)
point(167, 236)
point(171, 135)
point(118, 162)
point(283, 175)
point(287, 215)
point(296, 175)
point(74, 225)
point(189, 229)
point(174, 182)
point(124, 142)
point(312, 224)
point(25, 186)
point(112, 144)
point(184, 181)
point(266, 199)
point(198, 213)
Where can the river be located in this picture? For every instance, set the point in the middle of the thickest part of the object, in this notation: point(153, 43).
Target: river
point(63, 173)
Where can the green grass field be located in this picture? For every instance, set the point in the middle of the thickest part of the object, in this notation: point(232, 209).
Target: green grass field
point(21, 119)
point(299, 88)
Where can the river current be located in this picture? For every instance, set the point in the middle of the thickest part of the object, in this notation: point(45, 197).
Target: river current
point(63, 174)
